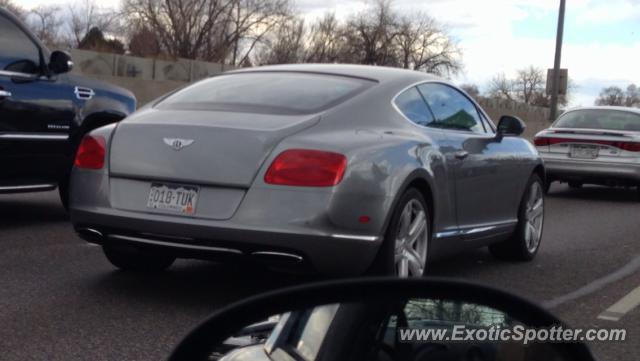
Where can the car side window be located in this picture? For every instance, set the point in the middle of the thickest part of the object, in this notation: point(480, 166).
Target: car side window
point(413, 106)
point(452, 110)
point(18, 53)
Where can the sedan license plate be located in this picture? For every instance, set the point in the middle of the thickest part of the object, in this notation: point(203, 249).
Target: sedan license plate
point(173, 198)
point(584, 151)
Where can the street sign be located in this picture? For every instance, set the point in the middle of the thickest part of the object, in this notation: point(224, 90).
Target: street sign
point(564, 80)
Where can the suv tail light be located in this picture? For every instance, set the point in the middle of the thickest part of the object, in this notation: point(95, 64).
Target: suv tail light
point(306, 168)
point(91, 152)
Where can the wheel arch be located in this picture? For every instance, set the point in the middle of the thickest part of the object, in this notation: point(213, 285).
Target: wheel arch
point(421, 180)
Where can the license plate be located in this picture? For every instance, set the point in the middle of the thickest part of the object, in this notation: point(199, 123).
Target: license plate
point(584, 151)
point(173, 198)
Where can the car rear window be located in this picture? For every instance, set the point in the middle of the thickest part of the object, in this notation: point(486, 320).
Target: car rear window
point(267, 92)
point(599, 119)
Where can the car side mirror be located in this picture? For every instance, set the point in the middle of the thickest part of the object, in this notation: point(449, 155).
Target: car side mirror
point(375, 318)
point(60, 62)
point(511, 125)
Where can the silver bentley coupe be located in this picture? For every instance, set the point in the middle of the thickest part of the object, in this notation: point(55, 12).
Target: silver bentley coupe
point(337, 169)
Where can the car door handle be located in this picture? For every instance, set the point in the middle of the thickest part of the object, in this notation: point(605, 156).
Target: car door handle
point(5, 94)
point(462, 154)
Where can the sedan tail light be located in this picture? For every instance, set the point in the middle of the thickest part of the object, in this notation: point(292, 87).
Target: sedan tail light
point(628, 146)
point(91, 152)
point(306, 168)
point(540, 141)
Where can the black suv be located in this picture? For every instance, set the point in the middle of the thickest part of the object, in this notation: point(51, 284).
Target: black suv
point(45, 111)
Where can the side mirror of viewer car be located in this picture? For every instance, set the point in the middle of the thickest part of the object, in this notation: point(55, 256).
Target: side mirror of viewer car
point(380, 319)
point(510, 125)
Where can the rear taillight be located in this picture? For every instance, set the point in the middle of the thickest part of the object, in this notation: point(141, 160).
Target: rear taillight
point(306, 168)
point(540, 141)
point(628, 146)
point(91, 152)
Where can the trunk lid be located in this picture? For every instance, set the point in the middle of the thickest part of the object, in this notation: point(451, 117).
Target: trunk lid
point(216, 148)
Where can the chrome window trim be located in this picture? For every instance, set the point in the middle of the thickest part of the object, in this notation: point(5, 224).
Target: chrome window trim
point(480, 111)
point(15, 74)
point(34, 136)
point(27, 187)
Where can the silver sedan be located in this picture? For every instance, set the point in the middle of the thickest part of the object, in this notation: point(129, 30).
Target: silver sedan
point(333, 168)
point(593, 145)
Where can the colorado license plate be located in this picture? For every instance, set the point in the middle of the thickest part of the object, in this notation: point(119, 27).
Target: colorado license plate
point(583, 151)
point(173, 198)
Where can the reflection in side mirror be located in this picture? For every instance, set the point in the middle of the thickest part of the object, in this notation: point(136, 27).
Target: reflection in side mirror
point(510, 125)
point(60, 62)
point(379, 319)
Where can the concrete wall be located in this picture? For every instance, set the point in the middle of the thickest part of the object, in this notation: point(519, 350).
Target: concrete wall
point(536, 118)
point(106, 64)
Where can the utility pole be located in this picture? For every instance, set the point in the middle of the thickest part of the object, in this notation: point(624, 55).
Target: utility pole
point(556, 64)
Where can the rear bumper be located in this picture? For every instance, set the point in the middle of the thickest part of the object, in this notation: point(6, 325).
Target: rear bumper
point(331, 254)
point(591, 170)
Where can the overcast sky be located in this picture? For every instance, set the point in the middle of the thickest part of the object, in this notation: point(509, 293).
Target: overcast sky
point(601, 47)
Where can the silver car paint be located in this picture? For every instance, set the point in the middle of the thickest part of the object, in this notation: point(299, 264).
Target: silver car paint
point(473, 201)
point(611, 164)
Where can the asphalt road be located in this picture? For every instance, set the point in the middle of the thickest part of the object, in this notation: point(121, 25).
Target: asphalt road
point(61, 300)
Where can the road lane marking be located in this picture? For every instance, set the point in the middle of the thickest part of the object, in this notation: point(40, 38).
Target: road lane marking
point(622, 307)
point(627, 270)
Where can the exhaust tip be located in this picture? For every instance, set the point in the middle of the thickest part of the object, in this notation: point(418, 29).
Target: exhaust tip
point(90, 234)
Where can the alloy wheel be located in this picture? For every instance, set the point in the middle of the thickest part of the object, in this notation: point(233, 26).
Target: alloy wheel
point(534, 217)
point(411, 242)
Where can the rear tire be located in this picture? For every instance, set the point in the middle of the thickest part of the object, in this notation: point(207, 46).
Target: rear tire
point(133, 259)
point(525, 241)
point(404, 250)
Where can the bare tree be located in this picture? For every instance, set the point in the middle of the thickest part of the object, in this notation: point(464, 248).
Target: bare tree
point(86, 15)
point(500, 87)
point(285, 46)
point(612, 95)
point(143, 42)
point(215, 30)
point(371, 34)
point(424, 45)
point(326, 41)
point(471, 89)
point(529, 84)
point(45, 22)
point(632, 96)
point(14, 8)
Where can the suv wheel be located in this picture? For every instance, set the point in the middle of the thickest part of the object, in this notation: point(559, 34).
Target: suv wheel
point(133, 259)
point(403, 252)
point(525, 242)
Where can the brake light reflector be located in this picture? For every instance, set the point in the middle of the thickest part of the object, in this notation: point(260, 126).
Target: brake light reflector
point(91, 152)
point(306, 168)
